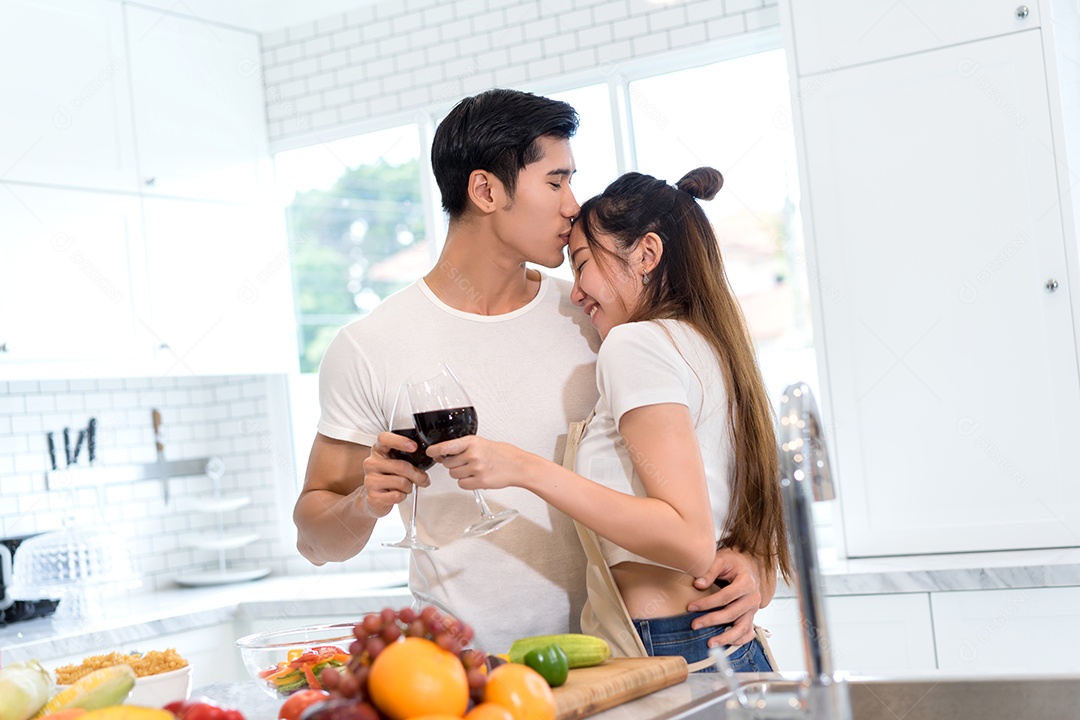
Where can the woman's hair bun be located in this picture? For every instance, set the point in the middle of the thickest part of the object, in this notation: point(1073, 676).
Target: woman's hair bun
point(702, 183)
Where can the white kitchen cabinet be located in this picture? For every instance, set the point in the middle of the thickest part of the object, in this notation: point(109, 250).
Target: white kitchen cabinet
point(869, 634)
point(200, 115)
point(830, 34)
point(220, 288)
point(945, 315)
point(1023, 630)
point(67, 109)
point(209, 650)
point(70, 282)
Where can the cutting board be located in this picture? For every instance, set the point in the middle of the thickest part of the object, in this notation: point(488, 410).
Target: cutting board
point(615, 681)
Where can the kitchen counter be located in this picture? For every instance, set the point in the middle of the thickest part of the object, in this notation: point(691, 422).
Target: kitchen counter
point(257, 705)
point(1058, 567)
point(133, 617)
point(138, 616)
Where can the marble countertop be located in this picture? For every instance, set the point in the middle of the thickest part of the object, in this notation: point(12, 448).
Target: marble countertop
point(1057, 567)
point(138, 616)
point(135, 616)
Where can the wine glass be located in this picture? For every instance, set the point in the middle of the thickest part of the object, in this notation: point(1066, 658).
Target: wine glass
point(443, 411)
point(402, 423)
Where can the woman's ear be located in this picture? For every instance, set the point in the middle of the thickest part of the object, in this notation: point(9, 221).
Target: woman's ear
point(651, 248)
point(483, 191)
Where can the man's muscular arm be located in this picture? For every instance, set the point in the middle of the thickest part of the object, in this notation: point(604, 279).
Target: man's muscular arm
point(346, 489)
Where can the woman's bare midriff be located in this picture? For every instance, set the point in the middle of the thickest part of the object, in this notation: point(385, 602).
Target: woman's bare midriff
point(651, 591)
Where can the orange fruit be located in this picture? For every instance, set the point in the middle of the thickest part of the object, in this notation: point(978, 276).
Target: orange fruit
point(489, 711)
point(522, 691)
point(415, 677)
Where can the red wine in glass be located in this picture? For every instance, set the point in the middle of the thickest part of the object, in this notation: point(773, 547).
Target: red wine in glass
point(437, 426)
point(417, 457)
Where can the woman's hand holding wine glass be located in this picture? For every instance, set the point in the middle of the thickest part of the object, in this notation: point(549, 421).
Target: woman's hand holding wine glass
point(481, 464)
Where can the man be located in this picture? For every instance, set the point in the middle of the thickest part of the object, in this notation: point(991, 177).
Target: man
point(526, 357)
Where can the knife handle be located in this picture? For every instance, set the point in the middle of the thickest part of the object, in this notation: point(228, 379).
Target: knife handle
point(52, 449)
point(91, 440)
point(67, 445)
point(78, 446)
point(159, 437)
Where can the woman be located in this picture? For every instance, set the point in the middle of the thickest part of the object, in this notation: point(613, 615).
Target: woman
point(680, 457)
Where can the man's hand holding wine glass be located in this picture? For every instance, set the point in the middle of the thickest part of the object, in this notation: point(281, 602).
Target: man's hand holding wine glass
point(387, 480)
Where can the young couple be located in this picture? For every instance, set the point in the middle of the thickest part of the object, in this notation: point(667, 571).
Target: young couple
point(677, 472)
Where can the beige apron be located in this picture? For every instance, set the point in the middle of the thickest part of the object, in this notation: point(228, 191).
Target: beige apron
point(604, 613)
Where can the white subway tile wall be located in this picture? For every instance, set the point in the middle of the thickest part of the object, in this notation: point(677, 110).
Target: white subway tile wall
point(398, 56)
point(226, 417)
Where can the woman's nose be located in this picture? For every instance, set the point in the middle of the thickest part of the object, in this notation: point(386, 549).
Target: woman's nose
point(577, 295)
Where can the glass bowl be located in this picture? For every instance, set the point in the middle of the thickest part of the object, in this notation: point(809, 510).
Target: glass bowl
point(278, 660)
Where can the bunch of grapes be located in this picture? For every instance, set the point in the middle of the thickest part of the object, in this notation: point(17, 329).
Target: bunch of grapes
point(377, 630)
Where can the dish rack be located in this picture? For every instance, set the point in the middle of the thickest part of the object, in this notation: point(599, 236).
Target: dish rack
point(221, 541)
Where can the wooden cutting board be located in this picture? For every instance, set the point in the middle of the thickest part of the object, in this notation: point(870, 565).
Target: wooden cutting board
point(615, 681)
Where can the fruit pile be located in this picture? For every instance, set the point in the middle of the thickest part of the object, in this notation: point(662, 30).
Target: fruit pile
point(406, 665)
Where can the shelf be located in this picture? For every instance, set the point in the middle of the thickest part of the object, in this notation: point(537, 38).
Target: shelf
point(214, 503)
point(222, 542)
point(74, 477)
point(215, 577)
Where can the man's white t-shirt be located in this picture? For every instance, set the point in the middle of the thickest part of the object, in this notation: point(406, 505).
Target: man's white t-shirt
point(650, 363)
point(529, 373)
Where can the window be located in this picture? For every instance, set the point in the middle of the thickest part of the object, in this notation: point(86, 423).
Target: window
point(356, 229)
point(356, 214)
point(735, 116)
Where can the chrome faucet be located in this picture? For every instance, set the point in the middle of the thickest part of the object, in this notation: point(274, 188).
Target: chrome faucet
point(805, 476)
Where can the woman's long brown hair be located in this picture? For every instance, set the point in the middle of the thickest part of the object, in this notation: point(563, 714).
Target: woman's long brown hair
point(689, 283)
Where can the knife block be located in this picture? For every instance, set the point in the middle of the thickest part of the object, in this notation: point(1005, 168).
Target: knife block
point(218, 504)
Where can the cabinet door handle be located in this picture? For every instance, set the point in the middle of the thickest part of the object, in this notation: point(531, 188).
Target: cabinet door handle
point(1022, 11)
point(151, 181)
point(3, 347)
point(1051, 285)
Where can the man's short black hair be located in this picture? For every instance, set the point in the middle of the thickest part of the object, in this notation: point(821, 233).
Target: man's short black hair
point(496, 131)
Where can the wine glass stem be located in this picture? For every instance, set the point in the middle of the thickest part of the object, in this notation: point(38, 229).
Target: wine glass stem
point(412, 519)
point(482, 503)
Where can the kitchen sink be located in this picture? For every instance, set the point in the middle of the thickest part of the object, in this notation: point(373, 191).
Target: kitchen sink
point(1004, 697)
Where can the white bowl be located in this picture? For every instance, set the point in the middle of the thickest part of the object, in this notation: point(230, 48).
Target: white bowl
point(155, 691)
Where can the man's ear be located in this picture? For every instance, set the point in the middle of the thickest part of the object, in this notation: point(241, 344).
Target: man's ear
point(651, 248)
point(485, 191)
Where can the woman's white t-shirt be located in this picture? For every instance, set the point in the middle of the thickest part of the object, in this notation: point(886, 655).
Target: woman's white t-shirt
point(651, 363)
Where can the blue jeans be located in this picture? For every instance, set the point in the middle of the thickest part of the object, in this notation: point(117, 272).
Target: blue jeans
point(673, 635)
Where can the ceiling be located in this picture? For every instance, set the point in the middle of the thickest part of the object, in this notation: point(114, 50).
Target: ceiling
point(258, 15)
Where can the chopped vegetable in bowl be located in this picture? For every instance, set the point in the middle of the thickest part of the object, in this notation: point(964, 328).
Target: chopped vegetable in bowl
point(302, 668)
point(287, 661)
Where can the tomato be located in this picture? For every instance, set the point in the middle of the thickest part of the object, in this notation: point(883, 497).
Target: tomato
point(202, 709)
point(299, 701)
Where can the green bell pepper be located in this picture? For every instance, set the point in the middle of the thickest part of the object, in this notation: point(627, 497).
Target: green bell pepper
point(551, 662)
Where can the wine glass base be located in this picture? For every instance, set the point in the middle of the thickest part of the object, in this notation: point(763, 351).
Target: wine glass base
point(410, 544)
point(489, 523)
